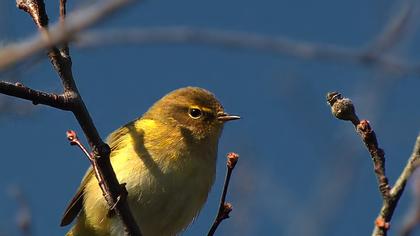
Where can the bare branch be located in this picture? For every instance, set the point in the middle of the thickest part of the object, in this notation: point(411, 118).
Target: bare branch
point(37, 97)
point(377, 154)
point(114, 193)
point(343, 109)
point(224, 208)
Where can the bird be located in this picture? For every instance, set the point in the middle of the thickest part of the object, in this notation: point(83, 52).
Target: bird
point(167, 160)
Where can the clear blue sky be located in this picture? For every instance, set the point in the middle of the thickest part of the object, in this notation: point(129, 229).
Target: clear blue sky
point(301, 171)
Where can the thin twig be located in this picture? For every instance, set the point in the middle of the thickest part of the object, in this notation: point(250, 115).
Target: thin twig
point(74, 140)
point(343, 109)
point(224, 208)
point(71, 100)
point(377, 154)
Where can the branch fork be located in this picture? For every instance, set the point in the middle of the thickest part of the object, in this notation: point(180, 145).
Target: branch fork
point(71, 100)
point(343, 108)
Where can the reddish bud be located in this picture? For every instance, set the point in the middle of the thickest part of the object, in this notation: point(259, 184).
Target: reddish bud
point(381, 223)
point(71, 136)
point(232, 159)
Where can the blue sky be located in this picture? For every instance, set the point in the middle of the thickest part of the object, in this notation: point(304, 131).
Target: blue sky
point(301, 171)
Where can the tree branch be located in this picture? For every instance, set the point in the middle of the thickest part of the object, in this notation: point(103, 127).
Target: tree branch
point(37, 97)
point(343, 109)
point(114, 193)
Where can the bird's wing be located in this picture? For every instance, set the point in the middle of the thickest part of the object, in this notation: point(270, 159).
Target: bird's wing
point(116, 139)
point(76, 203)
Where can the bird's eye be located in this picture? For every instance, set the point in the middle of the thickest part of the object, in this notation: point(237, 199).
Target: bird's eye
point(195, 113)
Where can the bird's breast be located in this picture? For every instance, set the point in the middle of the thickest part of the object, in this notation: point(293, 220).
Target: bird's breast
point(167, 185)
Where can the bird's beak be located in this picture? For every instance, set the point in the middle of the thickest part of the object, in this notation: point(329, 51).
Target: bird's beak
point(222, 116)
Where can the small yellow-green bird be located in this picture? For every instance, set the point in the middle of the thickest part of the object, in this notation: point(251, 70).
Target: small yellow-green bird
point(167, 158)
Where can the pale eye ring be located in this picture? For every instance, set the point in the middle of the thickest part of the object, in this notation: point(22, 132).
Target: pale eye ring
point(195, 113)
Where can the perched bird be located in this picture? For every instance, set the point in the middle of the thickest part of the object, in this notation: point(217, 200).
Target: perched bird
point(167, 158)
